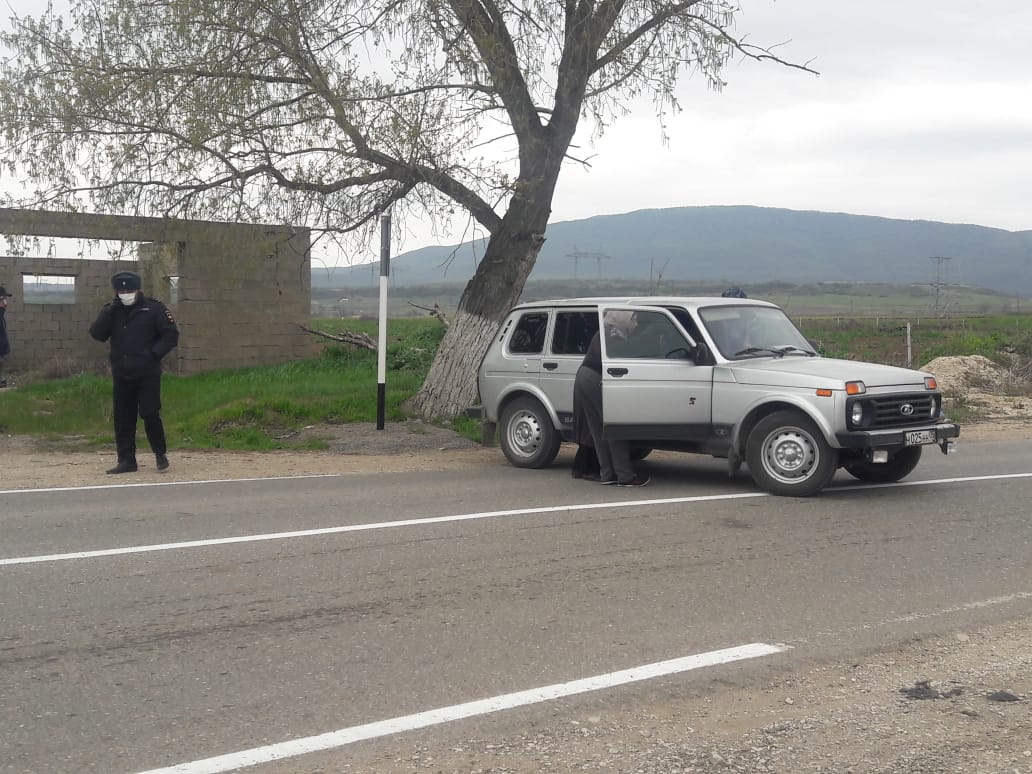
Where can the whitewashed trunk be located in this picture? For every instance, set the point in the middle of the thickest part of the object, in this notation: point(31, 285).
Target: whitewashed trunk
point(451, 384)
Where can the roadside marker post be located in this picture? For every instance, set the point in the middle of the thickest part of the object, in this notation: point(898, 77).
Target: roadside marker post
point(381, 343)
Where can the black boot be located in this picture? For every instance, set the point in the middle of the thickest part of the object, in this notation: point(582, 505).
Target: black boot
point(161, 461)
point(123, 466)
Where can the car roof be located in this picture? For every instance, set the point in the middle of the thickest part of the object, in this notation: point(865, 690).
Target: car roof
point(688, 302)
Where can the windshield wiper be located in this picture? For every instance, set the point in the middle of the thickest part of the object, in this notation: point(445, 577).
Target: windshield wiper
point(775, 351)
point(792, 348)
point(759, 350)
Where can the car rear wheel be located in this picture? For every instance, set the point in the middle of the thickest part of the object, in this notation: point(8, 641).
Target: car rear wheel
point(899, 466)
point(787, 455)
point(527, 438)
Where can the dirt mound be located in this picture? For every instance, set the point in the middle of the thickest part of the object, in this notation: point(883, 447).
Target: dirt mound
point(986, 389)
point(960, 374)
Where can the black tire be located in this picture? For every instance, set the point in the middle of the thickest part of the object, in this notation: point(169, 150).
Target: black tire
point(787, 455)
point(899, 466)
point(526, 434)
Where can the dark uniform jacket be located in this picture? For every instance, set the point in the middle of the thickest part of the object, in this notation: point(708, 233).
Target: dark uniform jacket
point(141, 335)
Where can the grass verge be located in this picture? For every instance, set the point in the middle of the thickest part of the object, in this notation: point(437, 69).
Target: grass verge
point(249, 408)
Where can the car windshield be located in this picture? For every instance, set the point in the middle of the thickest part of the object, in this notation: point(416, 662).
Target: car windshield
point(742, 332)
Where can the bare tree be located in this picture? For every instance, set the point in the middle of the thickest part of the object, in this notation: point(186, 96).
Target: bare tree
point(326, 113)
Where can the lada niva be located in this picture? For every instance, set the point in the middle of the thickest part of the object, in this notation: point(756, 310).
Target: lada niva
point(728, 377)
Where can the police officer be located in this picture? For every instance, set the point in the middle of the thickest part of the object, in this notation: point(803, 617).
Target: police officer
point(142, 331)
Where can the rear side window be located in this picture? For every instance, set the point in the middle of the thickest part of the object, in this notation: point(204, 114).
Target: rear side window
point(528, 338)
point(573, 332)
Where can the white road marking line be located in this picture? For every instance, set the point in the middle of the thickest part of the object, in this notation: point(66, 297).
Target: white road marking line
point(1018, 596)
point(928, 482)
point(362, 528)
point(455, 517)
point(163, 483)
point(346, 736)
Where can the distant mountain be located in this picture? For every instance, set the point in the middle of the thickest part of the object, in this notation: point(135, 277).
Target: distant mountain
point(740, 245)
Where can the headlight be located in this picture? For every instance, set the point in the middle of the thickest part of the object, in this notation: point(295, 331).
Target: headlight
point(856, 416)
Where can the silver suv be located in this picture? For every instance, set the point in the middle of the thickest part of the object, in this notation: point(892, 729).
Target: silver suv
point(728, 377)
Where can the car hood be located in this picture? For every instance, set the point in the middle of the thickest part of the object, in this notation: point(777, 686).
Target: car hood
point(798, 371)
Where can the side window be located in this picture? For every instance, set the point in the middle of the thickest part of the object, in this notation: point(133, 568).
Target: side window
point(573, 332)
point(654, 336)
point(528, 338)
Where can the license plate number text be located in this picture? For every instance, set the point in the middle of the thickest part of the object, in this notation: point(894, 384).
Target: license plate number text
point(918, 437)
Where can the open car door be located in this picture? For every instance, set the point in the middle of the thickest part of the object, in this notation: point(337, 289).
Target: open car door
point(652, 387)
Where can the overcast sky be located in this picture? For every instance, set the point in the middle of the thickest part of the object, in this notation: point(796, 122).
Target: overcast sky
point(922, 110)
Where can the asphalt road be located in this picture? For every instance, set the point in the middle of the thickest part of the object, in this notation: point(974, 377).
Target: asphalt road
point(147, 627)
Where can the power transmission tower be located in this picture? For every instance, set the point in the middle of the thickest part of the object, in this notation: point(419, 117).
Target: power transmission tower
point(940, 284)
point(579, 255)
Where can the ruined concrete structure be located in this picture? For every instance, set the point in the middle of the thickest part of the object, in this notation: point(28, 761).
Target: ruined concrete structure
point(240, 293)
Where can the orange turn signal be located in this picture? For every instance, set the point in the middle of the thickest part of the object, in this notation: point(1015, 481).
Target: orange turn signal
point(930, 383)
point(823, 392)
point(855, 388)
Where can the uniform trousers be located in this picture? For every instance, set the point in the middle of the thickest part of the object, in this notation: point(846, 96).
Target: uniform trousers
point(137, 398)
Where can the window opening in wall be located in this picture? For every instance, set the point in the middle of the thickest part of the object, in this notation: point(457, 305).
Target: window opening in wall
point(48, 288)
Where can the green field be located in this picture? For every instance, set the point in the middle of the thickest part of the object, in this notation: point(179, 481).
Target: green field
point(252, 408)
point(1005, 339)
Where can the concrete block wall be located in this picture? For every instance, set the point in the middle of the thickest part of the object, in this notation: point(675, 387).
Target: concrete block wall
point(241, 313)
point(54, 338)
point(243, 292)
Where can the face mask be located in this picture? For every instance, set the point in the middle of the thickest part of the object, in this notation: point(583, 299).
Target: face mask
point(128, 299)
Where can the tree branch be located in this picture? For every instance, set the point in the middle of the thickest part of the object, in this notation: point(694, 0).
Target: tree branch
point(354, 338)
point(436, 312)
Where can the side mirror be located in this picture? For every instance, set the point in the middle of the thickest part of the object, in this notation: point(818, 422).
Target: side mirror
point(702, 354)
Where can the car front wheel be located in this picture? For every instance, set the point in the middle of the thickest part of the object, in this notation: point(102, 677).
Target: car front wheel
point(527, 438)
point(787, 455)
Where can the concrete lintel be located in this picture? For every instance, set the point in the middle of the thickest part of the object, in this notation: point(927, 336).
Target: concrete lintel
point(81, 225)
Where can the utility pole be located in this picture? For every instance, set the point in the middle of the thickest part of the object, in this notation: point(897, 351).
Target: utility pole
point(577, 255)
point(940, 284)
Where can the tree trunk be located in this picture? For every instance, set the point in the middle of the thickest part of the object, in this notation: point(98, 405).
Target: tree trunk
point(451, 384)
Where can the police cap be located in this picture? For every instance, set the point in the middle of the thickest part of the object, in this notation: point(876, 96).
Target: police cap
point(126, 281)
point(4, 293)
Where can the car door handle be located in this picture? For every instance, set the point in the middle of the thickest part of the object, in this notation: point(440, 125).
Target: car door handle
point(616, 371)
point(550, 366)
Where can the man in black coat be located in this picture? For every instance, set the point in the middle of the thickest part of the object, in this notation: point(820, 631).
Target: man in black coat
point(614, 457)
point(142, 331)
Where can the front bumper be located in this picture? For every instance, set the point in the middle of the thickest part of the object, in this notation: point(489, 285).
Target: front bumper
point(895, 437)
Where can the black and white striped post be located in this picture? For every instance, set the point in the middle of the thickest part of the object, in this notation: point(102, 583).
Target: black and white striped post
point(381, 343)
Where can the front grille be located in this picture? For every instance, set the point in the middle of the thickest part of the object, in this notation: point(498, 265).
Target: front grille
point(888, 411)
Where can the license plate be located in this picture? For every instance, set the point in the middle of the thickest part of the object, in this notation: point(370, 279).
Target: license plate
point(918, 437)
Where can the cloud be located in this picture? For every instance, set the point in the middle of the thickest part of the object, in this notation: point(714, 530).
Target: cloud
point(920, 111)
